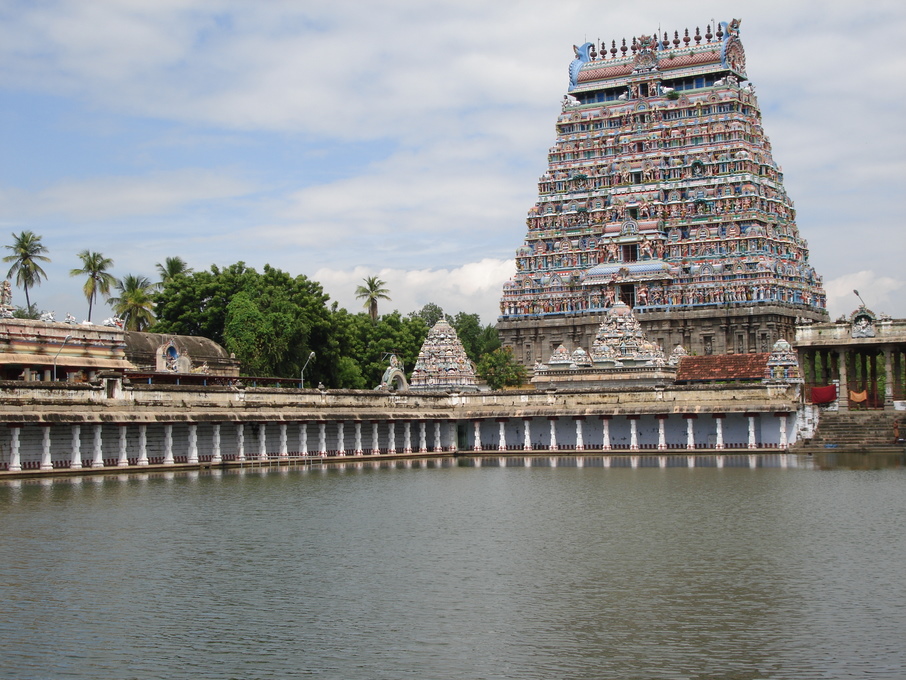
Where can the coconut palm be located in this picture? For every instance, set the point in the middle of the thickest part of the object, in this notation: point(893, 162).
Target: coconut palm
point(94, 266)
point(27, 252)
point(171, 268)
point(134, 302)
point(371, 292)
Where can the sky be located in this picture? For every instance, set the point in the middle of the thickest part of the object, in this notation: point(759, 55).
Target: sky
point(401, 139)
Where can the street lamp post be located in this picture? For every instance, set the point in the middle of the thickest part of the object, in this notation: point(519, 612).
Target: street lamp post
point(65, 340)
point(302, 375)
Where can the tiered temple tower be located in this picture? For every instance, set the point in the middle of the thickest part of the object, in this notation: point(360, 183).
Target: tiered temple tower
point(661, 191)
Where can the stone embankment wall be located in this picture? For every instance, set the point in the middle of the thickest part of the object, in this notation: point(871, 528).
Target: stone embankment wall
point(56, 426)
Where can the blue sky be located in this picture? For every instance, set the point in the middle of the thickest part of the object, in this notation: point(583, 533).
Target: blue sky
point(400, 139)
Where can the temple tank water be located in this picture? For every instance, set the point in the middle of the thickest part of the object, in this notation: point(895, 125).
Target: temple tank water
point(493, 568)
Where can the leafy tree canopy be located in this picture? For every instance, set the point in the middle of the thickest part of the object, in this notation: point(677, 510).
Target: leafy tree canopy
point(501, 369)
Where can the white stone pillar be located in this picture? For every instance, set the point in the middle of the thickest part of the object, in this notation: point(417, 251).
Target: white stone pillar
point(322, 439)
point(690, 433)
point(605, 427)
point(375, 441)
point(783, 439)
point(422, 438)
point(391, 436)
point(451, 435)
point(661, 434)
point(284, 445)
point(240, 441)
point(476, 445)
point(526, 434)
point(192, 458)
point(216, 456)
point(168, 444)
point(46, 459)
point(580, 445)
point(123, 460)
point(303, 439)
point(633, 434)
point(98, 459)
point(15, 463)
point(438, 444)
point(341, 438)
point(262, 441)
point(359, 451)
point(142, 445)
point(553, 434)
point(752, 443)
point(76, 463)
point(407, 437)
point(501, 435)
point(719, 433)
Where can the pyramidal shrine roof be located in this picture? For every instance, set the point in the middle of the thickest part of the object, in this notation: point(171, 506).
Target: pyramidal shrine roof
point(442, 362)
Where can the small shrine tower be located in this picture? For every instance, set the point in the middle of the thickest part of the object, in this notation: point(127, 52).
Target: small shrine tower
point(442, 362)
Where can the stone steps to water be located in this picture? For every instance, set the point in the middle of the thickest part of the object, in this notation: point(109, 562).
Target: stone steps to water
point(868, 431)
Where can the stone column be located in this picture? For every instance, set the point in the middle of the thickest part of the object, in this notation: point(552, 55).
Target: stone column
point(451, 435)
point(192, 458)
point(438, 444)
point(888, 381)
point(476, 445)
point(752, 443)
point(341, 438)
point(526, 434)
point(661, 432)
point(262, 441)
point(168, 444)
point(719, 431)
point(783, 439)
point(98, 459)
point(322, 439)
point(123, 460)
point(284, 445)
point(76, 463)
point(303, 439)
point(358, 439)
point(605, 434)
point(422, 438)
point(553, 435)
point(633, 433)
point(843, 390)
point(375, 442)
point(580, 445)
point(216, 456)
point(240, 441)
point(501, 434)
point(142, 445)
point(15, 464)
point(46, 459)
point(391, 436)
point(407, 437)
point(690, 431)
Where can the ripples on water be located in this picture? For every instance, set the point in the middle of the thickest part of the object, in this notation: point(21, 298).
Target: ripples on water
point(459, 570)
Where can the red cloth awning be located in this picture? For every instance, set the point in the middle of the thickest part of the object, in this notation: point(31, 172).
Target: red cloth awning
point(824, 395)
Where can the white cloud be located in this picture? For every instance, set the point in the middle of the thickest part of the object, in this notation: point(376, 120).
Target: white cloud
point(882, 294)
point(473, 288)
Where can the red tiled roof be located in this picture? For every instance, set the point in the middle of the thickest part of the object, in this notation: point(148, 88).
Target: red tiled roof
point(717, 367)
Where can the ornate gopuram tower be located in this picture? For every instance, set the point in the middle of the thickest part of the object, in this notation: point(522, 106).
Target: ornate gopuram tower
point(661, 192)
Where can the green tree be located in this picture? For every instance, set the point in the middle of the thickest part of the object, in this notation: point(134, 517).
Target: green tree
point(476, 339)
point(270, 320)
point(171, 268)
point(135, 302)
point(501, 369)
point(371, 292)
point(94, 266)
point(28, 251)
point(430, 314)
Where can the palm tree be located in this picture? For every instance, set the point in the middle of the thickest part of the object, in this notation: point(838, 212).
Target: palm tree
point(171, 268)
point(95, 266)
point(371, 292)
point(133, 304)
point(27, 251)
